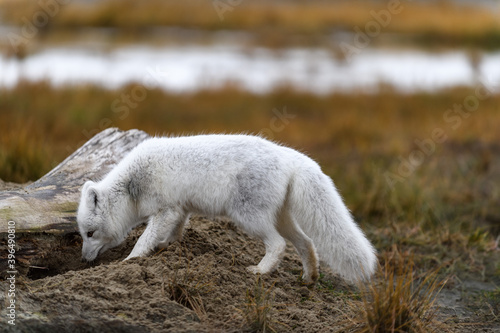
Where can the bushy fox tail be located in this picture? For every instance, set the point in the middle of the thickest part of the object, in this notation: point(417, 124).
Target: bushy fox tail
point(318, 209)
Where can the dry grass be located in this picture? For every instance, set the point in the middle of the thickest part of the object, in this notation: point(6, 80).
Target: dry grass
point(399, 300)
point(276, 23)
point(39, 131)
point(258, 308)
point(188, 288)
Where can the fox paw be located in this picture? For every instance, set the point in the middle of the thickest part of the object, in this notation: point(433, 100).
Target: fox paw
point(309, 278)
point(254, 269)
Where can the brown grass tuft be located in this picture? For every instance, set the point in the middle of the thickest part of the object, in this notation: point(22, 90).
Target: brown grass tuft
point(400, 300)
point(258, 308)
point(187, 288)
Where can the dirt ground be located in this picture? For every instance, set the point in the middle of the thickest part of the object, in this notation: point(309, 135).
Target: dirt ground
point(197, 285)
point(60, 292)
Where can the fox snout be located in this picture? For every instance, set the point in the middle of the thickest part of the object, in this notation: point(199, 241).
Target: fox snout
point(89, 252)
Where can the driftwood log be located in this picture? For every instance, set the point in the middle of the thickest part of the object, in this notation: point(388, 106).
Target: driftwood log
point(49, 205)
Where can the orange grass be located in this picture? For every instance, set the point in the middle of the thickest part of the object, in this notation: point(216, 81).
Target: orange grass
point(37, 118)
point(400, 300)
point(438, 23)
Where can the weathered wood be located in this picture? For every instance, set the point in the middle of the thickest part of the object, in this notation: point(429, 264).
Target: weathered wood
point(50, 203)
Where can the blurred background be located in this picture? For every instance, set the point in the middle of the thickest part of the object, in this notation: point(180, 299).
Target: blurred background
point(399, 101)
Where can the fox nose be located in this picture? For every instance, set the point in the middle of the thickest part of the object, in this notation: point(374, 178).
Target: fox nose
point(90, 262)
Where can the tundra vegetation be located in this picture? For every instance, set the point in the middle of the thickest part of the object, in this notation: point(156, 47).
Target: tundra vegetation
point(420, 172)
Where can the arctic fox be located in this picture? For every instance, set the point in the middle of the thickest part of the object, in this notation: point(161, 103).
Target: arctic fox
point(270, 191)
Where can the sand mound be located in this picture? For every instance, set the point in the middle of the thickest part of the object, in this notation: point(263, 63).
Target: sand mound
point(198, 285)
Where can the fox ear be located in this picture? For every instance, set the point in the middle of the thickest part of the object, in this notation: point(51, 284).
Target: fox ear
point(91, 194)
point(86, 186)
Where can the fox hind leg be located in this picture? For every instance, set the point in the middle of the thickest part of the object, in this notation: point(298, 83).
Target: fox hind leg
point(289, 229)
point(262, 224)
point(275, 249)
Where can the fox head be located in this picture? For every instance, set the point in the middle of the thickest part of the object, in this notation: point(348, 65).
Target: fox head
point(95, 222)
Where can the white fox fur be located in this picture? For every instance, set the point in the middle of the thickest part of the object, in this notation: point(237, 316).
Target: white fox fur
point(270, 191)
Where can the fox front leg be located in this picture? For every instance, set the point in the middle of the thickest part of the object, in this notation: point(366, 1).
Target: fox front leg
point(162, 229)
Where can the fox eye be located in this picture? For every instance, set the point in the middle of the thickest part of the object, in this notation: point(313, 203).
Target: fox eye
point(90, 233)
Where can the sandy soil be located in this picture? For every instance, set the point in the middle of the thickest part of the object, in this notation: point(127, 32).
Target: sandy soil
point(138, 295)
point(197, 285)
